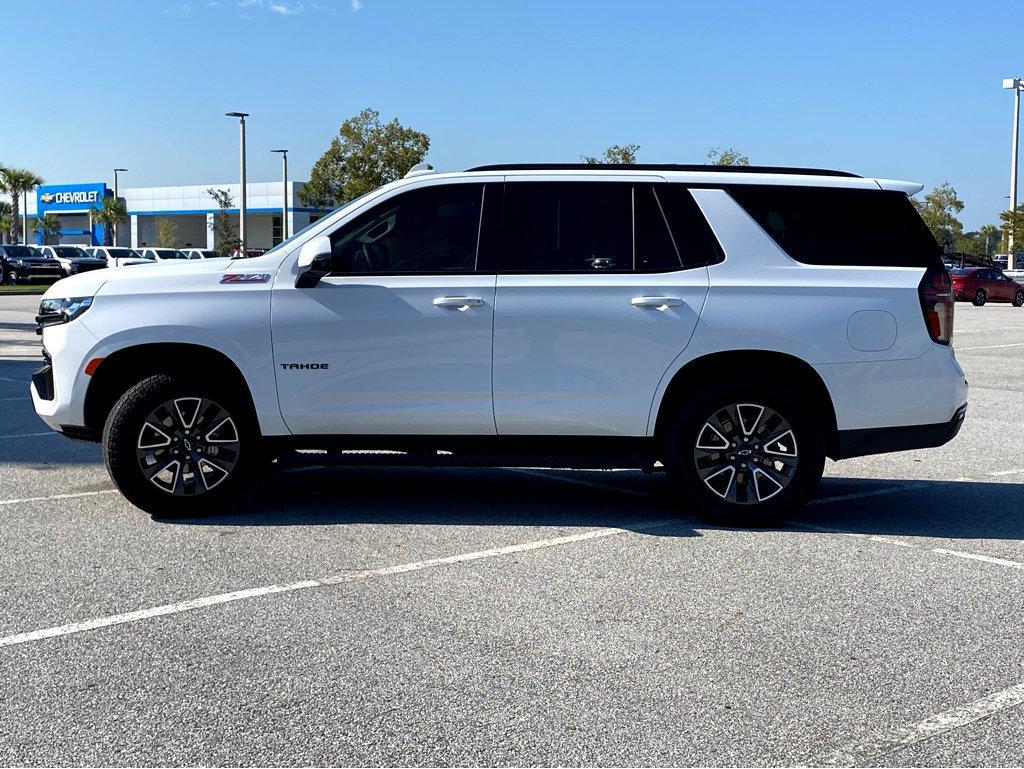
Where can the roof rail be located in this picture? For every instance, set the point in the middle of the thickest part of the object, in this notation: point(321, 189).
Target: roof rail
point(420, 169)
point(660, 167)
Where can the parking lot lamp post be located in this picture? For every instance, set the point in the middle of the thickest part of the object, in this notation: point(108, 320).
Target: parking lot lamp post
point(116, 170)
point(24, 216)
point(284, 204)
point(1017, 85)
point(241, 208)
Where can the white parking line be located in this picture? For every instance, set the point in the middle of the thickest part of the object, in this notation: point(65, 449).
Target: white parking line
point(335, 579)
point(16, 381)
point(989, 347)
point(56, 496)
point(999, 473)
point(19, 398)
point(31, 435)
point(979, 557)
point(873, 747)
point(866, 494)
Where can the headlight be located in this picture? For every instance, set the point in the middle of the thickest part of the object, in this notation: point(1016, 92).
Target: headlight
point(55, 311)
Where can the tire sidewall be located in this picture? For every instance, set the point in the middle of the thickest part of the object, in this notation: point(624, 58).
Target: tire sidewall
point(682, 437)
point(1018, 299)
point(120, 438)
point(980, 297)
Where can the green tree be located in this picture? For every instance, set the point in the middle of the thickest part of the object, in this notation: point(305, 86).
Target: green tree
point(15, 182)
point(969, 243)
point(225, 234)
point(47, 225)
point(1013, 223)
point(727, 157)
point(5, 220)
point(938, 210)
point(614, 155)
point(110, 214)
point(166, 233)
point(363, 156)
point(989, 237)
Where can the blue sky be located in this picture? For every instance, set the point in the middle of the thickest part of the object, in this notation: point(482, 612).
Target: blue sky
point(897, 89)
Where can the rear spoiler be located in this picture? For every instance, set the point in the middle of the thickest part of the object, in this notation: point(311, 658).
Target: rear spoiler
point(895, 185)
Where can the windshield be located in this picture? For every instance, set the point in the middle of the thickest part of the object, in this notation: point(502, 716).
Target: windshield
point(19, 252)
point(169, 253)
point(124, 253)
point(70, 252)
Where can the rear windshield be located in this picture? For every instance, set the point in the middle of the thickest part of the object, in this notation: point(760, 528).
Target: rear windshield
point(836, 226)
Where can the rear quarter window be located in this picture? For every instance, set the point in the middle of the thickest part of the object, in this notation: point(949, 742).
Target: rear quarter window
point(836, 226)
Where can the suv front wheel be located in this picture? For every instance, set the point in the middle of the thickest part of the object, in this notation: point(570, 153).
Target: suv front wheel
point(745, 455)
point(176, 448)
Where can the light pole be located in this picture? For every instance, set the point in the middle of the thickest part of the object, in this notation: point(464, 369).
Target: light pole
point(1016, 84)
point(116, 198)
point(24, 216)
point(241, 208)
point(284, 204)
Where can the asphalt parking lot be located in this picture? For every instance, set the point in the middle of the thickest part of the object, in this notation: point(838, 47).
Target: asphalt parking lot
point(383, 616)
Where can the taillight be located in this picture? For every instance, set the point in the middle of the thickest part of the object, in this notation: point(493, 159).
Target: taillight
point(936, 292)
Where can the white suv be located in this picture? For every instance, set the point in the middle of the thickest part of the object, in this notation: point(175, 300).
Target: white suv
point(735, 326)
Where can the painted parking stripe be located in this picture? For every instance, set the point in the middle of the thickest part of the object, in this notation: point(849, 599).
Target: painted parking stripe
point(989, 347)
point(979, 557)
point(871, 748)
point(31, 435)
point(23, 500)
point(335, 579)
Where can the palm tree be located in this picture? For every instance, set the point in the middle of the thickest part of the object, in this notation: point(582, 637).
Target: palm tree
point(5, 219)
point(110, 214)
point(47, 224)
point(15, 182)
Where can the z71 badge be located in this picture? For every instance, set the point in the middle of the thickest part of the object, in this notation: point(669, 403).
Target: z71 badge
point(245, 277)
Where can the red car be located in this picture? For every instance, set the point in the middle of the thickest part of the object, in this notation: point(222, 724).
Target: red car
point(985, 284)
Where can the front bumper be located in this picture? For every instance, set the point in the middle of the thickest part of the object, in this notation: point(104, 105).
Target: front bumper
point(882, 440)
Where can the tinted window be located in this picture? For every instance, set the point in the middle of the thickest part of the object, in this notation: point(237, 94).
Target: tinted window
point(70, 252)
point(19, 252)
point(655, 251)
point(693, 237)
point(567, 227)
point(429, 230)
point(833, 226)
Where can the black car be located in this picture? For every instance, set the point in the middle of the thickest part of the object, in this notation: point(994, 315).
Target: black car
point(73, 259)
point(23, 264)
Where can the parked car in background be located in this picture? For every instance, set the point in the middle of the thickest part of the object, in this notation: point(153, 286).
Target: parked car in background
point(24, 264)
point(117, 256)
point(72, 259)
point(200, 253)
point(986, 284)
point(161, 254)
point(1001, 261)
point(249, 253)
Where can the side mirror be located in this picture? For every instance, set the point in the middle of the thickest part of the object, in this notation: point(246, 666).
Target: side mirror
point(314, 261)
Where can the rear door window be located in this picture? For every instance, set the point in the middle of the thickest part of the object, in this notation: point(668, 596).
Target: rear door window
point(838, 226)
point(567, 227)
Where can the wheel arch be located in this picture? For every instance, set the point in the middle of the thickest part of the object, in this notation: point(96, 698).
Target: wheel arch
point(738, 364)
point(123, 368)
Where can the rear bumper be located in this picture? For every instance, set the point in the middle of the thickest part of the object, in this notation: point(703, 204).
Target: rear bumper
point(881, 440)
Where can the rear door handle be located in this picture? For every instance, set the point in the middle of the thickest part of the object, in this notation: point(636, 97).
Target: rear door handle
point(656, 301)
point(459, 302)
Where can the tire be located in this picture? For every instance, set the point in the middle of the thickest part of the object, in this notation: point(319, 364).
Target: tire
point(167, 445)
point(11, 278)
point(758, 488)
point(980, 297)
point(1018, 299)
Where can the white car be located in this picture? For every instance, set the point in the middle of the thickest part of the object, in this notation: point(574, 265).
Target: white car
point(71, 258)
point(117, 256)
point(722, 323)
point(200, 253)
point(161, 254)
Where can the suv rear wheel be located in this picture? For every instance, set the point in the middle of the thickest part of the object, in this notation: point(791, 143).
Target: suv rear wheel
point(745, 455)
point(176, 448)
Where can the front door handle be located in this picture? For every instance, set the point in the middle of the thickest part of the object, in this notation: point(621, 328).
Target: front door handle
point(656, 301)
point(458, 302)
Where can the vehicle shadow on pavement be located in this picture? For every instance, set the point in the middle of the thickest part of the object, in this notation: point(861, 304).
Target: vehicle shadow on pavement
point(509, 497)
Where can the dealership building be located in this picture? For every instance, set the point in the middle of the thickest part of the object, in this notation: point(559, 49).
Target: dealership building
point(190, 209)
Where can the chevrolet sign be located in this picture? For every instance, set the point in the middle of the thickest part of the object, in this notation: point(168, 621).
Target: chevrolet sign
point(70, 197)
